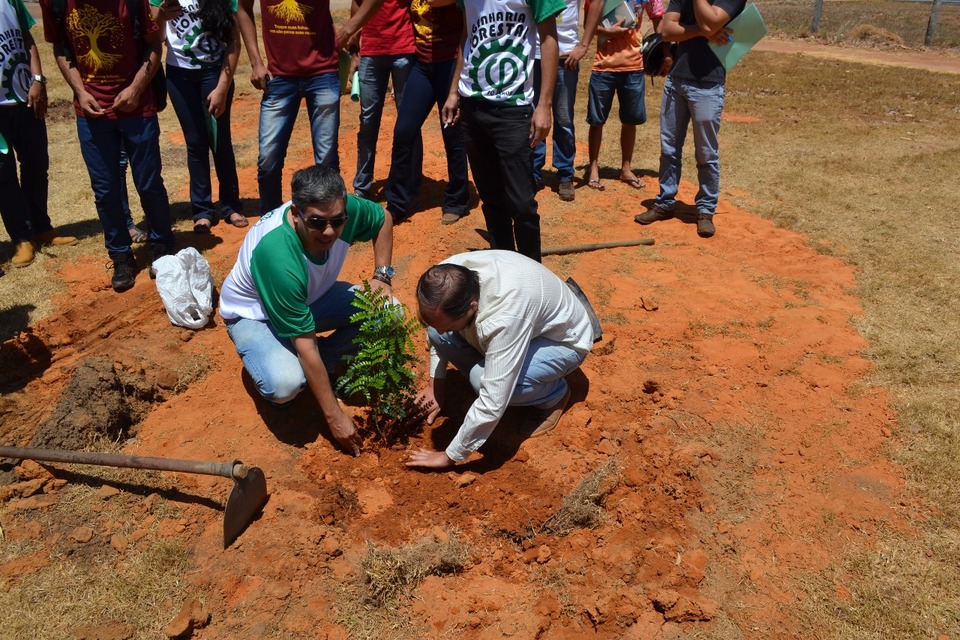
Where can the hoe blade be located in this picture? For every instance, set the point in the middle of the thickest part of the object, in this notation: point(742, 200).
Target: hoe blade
point(247, 498)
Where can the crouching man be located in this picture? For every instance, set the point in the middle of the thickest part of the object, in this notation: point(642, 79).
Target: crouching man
point(283, 290)
point(511, 327)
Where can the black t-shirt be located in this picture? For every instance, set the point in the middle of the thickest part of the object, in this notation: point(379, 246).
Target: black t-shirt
point(695, 59)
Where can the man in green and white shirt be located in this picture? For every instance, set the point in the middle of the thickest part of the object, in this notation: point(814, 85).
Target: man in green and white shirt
point(493, 92)
point(283, 290)
point(23, 137)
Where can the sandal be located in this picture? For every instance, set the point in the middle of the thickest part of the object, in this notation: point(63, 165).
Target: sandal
point(137, 236)
point(596, 184)
point(635, 182)
point(236, 219)
point(202, 226)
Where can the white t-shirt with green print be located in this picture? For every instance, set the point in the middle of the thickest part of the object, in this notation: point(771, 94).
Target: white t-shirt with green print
point(15, 76)
point(188, 45)
point(499, 50)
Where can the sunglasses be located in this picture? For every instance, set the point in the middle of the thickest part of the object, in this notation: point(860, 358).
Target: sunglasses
point(320, 224)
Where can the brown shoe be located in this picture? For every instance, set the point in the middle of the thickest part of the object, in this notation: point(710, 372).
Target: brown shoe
point(51, 238)
point(653, 214)
point(540, 421)
point(24, 254)
point(565, 189)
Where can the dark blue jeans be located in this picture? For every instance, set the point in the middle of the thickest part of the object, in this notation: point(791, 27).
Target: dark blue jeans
point(564, 134)
point(278, 113)
point(100, 143)
point(498, 147)
point(188, 90)
point(375, 72)
point(23, 201)
point(427, 85)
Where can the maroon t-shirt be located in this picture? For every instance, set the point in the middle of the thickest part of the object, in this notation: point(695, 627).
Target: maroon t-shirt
point(388, 32)
point(437, 31)
point(298, 37)
point(100, 36)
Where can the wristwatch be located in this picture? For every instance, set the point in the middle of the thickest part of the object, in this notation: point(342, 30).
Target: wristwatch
point(39, 78)
point(384, 274)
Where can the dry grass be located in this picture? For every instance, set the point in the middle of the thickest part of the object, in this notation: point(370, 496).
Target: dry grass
point(906, 21)
point(582, 508)
point(373, 607)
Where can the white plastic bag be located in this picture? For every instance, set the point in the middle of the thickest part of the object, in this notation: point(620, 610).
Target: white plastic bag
point(186, 288)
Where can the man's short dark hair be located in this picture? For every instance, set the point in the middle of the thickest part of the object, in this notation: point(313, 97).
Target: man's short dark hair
point(449, 288)
point(317, 185)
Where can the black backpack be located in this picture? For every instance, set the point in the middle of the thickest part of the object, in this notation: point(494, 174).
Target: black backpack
point(158, 83)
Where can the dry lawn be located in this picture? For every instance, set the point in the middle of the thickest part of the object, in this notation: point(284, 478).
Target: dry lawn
point(881, 23)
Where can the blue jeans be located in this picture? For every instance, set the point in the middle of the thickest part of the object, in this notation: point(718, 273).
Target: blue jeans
point(278, 113)
point(272, 361)
point(375, 72)
point(427, 86)
point(684, 100)
point(564, 137)
point(101, 141)
point(23, 203)
point(541, 381)
point(188, 90)
point(630, 87)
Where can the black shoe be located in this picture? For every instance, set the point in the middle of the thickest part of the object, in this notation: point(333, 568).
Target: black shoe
point(158, 251)
point(565, 189)
point(124, 272)
point(653, 214)
point(705, 228)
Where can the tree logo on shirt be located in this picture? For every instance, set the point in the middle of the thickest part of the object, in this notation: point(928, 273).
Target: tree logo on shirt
point(87, 22)
point(16, 77)
point(290, 11)
point(498, 70)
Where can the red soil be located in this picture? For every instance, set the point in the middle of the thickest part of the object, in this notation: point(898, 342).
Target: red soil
point(730, 384)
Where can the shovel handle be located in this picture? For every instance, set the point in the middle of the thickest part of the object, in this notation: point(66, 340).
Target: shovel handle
point(225, 469)
point(580, 248)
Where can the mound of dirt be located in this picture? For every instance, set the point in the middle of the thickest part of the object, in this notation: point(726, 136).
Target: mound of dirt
point(93, 407)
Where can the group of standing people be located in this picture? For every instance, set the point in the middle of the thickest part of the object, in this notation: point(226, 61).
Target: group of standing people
point(500, 72)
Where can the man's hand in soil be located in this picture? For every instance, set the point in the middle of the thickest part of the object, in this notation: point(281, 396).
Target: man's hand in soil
point(427, 459)
point(345, 432)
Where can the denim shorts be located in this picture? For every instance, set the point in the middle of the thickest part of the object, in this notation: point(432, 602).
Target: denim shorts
point(630, 87)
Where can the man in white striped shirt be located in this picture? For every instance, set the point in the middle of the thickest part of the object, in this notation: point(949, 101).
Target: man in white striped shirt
point(514, 329)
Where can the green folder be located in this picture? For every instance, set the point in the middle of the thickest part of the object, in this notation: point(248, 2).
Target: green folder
point(748, 29)
point(3, 144)
point(212, 131)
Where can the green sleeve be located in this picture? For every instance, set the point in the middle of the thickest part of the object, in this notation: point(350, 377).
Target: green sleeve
point(364, 220)
point(156, 3)
point(23, 16)
point(544, 9)
point(233, 6)
point(280, 276)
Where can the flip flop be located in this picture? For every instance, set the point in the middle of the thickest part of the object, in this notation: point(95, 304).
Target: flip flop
point(596, 184)
point(636, 183)
point(239, 222)
point(202, 226)
point(137, 236)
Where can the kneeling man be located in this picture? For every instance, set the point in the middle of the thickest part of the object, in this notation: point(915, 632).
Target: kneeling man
point(514, 329)
point(284, 290)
